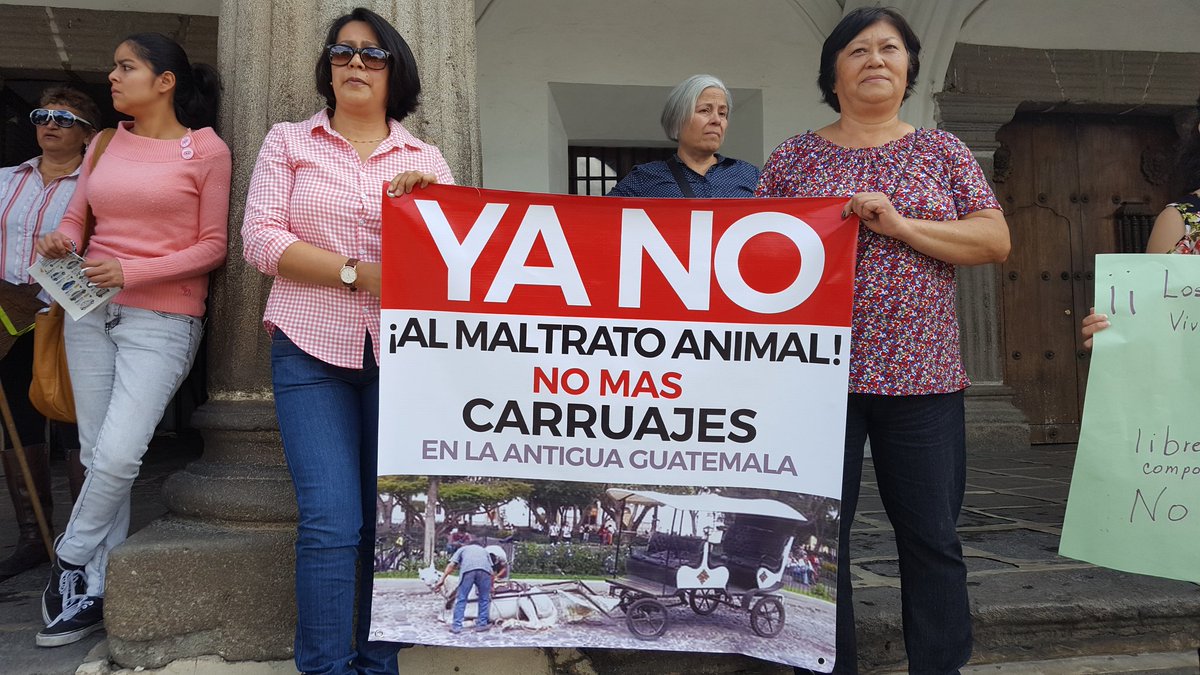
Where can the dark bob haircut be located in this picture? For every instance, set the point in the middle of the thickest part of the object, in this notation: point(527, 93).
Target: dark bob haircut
point(404, 86)
point(847, 29)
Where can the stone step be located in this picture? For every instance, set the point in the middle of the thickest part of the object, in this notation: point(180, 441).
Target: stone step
point(1169, 663)
point(532, 662)
point(1061, 610)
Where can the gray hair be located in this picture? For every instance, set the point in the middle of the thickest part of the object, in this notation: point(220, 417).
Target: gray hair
point(681, 103)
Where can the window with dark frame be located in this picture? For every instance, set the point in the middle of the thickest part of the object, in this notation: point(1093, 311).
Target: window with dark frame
point(1133, 221)
point(594, 170)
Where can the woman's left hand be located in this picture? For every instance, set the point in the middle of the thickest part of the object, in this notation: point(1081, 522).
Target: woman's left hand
point(404, 183)
point(875, 211)
point(104, 273)
point(370, 278)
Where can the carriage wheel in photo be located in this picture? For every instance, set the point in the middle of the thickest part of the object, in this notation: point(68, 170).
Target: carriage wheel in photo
point(767, 616)
point(646, 619)
point(704, 601)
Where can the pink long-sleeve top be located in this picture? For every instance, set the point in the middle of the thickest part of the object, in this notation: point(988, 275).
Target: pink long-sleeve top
point(162, 210)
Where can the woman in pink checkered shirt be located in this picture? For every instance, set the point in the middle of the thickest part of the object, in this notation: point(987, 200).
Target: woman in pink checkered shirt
point(313, 222)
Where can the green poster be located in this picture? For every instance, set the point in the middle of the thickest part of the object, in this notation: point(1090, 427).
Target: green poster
point(1135, 495)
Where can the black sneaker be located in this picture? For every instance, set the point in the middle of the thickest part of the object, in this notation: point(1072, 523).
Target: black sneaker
point(63, 588)
point(81, 618)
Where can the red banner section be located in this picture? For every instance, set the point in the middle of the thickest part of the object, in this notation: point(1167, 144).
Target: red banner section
point(752, 261)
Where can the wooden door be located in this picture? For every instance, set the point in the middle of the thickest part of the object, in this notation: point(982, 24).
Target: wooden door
point(1063, 180)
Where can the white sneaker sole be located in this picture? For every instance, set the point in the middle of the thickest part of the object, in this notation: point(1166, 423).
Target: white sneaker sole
point(60, 639)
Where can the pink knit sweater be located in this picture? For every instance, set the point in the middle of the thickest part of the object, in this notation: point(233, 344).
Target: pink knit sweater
point(162, 210)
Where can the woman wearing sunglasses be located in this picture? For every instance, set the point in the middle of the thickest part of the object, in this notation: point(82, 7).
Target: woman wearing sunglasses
point(160, 197)
point(313, 222)
point(33, 197)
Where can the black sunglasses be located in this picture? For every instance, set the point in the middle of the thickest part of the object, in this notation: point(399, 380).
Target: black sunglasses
point(63, 118)
point(373, 58)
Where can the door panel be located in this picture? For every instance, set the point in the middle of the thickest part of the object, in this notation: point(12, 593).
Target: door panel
point(1121, 162)
point(1038, 301)
point(1066, 178)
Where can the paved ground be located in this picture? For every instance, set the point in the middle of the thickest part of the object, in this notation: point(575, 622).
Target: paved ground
point(1035, 612)
point(1028, 602)
point(20, 616)
point(405, 610)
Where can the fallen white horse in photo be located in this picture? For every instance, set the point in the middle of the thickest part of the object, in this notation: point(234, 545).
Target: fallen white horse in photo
point(519, 605)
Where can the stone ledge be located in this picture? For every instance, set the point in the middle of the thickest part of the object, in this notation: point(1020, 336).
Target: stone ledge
point(994, 423)
point(450, 661)
point(1048, 614)
point(184, 589)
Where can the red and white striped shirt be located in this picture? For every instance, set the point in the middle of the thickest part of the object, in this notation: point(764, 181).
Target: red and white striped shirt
point(28, 210)
point(310, 185)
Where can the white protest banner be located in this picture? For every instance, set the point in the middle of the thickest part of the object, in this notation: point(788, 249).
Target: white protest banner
point(640, 404)
point(1134, 503)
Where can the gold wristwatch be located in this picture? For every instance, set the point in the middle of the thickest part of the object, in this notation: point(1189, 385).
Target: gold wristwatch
point(349, 274)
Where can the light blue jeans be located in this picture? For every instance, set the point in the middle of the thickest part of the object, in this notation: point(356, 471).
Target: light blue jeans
point(481, 581)
point(126, 363)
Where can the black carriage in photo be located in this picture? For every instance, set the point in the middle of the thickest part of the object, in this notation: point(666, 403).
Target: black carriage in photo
point(739, 564)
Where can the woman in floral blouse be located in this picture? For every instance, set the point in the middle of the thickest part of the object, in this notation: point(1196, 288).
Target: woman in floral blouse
point(925, 207)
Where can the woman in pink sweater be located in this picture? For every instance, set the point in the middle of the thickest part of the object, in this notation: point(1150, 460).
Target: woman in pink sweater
point(160, 196)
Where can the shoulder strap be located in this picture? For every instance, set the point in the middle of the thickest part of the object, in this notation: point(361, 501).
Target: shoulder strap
point(103, 137)
point(677, 171)
point(89, 224)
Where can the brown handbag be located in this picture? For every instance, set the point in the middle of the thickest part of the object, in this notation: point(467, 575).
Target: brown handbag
point(50, 390)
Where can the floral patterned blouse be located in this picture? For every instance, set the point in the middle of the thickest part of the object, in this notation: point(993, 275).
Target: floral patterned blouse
point(904, 332)
point(1189, 208)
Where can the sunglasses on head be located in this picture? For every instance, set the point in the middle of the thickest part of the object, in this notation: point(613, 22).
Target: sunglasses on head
point(63, 118)
point(373, 58)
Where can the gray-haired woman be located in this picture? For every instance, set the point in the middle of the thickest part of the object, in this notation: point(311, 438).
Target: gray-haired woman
point(696, 115)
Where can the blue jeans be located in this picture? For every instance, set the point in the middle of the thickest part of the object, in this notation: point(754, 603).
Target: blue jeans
point(126, 363)
point(918, 446)
point(481, 581)
point(329, 421)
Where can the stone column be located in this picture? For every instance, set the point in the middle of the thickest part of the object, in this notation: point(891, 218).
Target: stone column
point(216, 575)
point(993, 421)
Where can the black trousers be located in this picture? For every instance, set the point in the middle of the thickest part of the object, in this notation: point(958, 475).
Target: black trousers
point(918, 446)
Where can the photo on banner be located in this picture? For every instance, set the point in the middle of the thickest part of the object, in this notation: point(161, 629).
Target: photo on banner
point(635, 408)
point(1134, 503)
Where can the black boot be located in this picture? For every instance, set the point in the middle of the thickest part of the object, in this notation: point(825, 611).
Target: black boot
point(31, 550)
